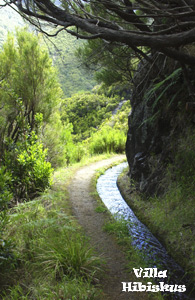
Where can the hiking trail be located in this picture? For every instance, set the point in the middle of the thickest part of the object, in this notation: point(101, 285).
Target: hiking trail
point(83, 206)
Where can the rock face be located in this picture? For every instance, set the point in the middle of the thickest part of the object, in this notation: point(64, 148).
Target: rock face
point(157, 116)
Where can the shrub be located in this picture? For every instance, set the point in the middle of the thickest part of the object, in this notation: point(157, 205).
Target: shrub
point(5, 197)
point(5, 194)
point(57, 261)
point(67, 253)
point(87, 111)
point(31, 173)
point(107, 140)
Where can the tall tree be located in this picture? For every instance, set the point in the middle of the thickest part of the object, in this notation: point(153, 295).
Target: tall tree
point(28, 84)
point(166, 26)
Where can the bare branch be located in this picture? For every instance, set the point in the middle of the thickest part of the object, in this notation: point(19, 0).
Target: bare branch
point(84, 37)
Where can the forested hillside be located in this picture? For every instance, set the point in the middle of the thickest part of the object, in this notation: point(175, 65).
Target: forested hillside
point(41, 130)
point(143, 56)
point(72, 74)
point(9, 20)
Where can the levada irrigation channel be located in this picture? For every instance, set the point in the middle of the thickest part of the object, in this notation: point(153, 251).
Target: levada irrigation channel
point(152, 250)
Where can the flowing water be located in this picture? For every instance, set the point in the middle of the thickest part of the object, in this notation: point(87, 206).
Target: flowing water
point(151, 249)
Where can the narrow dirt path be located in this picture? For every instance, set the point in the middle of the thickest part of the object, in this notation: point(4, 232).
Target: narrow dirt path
point(84, 205)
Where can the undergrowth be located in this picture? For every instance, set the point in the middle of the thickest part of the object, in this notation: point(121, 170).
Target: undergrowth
point(51, 258)
point(171, 216)
point(119, 229)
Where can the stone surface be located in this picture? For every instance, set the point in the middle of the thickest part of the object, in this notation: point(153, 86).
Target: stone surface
point(155, 121)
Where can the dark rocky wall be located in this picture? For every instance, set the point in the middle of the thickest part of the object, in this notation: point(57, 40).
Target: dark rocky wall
point(155, 122)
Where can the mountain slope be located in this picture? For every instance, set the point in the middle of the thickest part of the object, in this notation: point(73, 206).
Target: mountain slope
point(9, 20)
point(72, 76)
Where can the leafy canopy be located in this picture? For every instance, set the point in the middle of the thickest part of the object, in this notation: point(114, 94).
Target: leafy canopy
point(28, 84)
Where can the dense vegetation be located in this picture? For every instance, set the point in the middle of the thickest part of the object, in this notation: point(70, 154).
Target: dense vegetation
point(42, 129)
point(51, 258)
point(113, 63)
point(72, 75)
point(170, 216)
point(26, 70)
point(29, 93)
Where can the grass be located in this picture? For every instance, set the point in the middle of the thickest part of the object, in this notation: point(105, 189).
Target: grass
point(101, 209)
point(119, 229)
point(52, 258)
point(170, 216)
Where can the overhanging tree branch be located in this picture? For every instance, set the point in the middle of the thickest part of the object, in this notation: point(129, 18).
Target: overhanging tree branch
point(164, 26)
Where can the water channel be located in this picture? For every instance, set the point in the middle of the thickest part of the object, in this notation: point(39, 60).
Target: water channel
point(150, 248)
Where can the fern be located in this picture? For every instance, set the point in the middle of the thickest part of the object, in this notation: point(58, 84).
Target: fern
point(151, 119)
point(173, 77)
point(151, 93)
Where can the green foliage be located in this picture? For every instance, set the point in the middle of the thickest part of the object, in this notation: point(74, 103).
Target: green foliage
point(72, 75)
point(107, 139)
point(161, 95)
point(171, 215)
point(94, 128)
point(101, 209)
point(5, 197)
point(28, 96)
point(28, 84)
point(111, 136)
point(161, 88)
point(173, 77)
point(120, 229)
point(121, 90)
point(120, 119)
point(55, 137)
point(31, 173)
point(17, 293)
point(72, 152)
point(67, 288)
point(185, 162)
point(28, 93)
point(173, 219)
point(86, 111)
point(67, 253)
point(30, 89)
point(56, 259)
point(113, 63)
point(53, 242)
